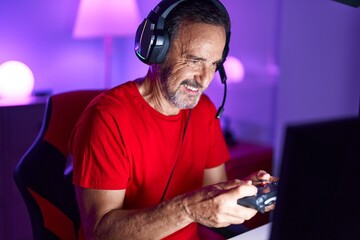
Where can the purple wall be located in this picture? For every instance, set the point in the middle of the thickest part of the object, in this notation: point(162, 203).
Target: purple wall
point(319, 56)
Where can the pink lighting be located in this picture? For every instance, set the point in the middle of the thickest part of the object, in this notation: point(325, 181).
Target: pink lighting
point(234, 70)
point(16, 81)
point(106, 19)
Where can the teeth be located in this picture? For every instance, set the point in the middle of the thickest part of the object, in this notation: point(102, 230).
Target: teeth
point(191, 88)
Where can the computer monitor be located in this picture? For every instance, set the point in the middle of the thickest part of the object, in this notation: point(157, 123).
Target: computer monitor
point(319, 189)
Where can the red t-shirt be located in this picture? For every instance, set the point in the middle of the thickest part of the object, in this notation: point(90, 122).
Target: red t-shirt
point(121, 142)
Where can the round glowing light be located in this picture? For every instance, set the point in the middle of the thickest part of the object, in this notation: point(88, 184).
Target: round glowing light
point(234, 69)
point(16, 80)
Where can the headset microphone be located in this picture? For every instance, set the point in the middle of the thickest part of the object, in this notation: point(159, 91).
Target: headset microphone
point(223, 78)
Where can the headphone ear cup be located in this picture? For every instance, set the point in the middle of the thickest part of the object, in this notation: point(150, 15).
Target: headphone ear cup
point(151, 47)
point(143, 38)
point(160, 48)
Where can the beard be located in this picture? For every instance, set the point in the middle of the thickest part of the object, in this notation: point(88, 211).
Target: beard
point(175, 94)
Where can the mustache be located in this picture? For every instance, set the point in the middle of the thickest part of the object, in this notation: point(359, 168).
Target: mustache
point(191, 83)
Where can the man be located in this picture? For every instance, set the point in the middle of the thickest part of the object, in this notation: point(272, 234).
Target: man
point(149, 154)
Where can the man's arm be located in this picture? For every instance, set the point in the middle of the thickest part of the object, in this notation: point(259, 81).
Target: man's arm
point(103, 218)
point(214, 206)
point(214, 175)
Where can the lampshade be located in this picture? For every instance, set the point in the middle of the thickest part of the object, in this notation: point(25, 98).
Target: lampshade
point(99, 18)
point(106, 19)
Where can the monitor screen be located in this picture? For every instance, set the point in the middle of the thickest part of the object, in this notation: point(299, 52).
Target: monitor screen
point(319, 182)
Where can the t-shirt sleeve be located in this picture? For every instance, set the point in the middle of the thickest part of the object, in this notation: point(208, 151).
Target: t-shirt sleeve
point(99, 156)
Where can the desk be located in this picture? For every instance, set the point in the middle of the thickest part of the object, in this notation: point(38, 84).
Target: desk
point(259, 233)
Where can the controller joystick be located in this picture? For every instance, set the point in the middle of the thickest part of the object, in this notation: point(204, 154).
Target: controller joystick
point(265, 196)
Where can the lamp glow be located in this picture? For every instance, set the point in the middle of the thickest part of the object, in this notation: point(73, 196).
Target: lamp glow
point(234, 69)
point(16, 80)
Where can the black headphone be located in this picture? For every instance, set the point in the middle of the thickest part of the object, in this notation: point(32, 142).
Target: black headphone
point(152, 41)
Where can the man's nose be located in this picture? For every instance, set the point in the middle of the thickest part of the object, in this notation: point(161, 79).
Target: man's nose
point(206, 74)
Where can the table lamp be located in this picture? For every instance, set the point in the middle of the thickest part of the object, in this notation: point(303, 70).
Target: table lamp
point(16, 81)
point(106, 19)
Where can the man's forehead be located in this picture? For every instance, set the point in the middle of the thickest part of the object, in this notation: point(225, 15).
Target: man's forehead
point(196, 38)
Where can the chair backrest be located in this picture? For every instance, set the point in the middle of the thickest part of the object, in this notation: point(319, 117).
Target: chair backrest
point(40, 175)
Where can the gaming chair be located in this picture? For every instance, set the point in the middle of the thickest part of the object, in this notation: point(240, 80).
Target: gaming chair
point(41, 174)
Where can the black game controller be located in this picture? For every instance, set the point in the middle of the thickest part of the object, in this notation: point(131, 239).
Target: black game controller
point(265, 196)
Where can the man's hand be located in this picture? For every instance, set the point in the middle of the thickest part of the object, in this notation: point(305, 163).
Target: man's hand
point(263, 176)
point(216, 205)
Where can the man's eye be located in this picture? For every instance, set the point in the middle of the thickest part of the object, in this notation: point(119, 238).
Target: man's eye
point(193, 61)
